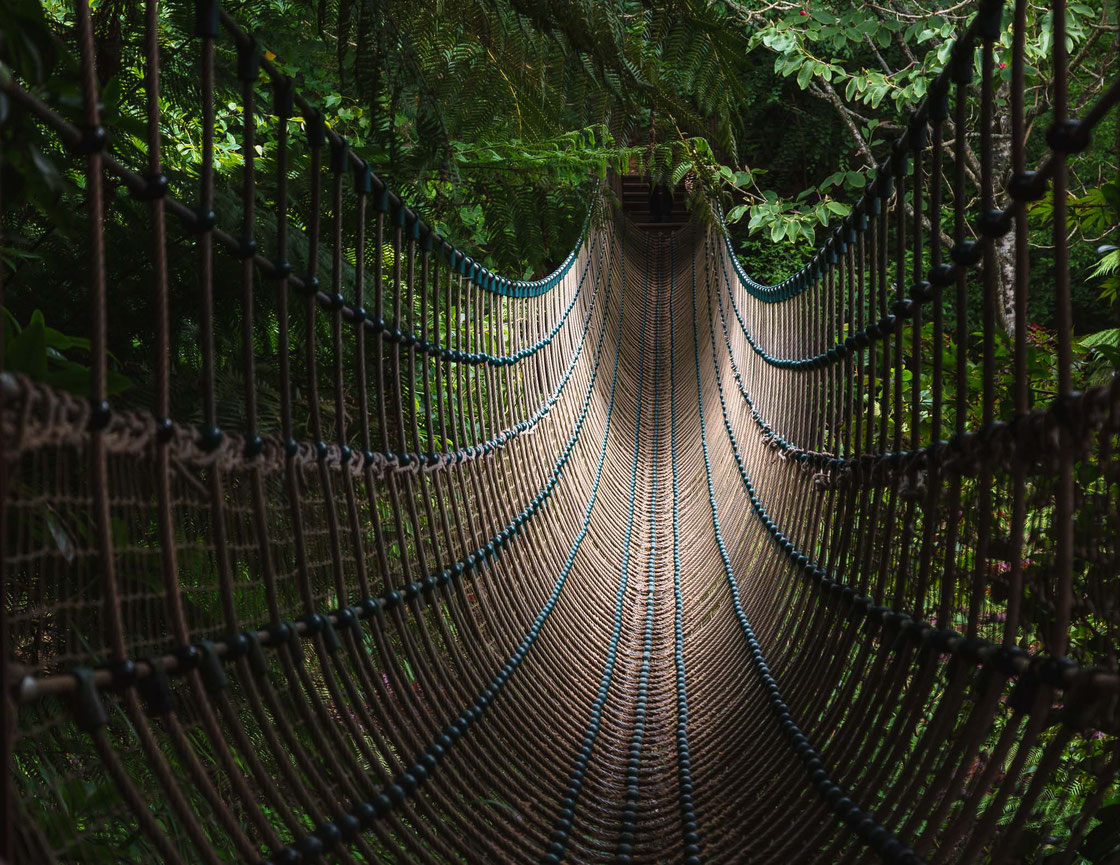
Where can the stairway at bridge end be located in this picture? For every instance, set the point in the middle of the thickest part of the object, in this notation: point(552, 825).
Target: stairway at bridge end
point(637, 204)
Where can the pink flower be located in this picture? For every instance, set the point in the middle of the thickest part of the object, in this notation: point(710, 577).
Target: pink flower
point(803, 12)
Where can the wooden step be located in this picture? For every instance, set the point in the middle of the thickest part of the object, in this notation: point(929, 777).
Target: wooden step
point(635, 195)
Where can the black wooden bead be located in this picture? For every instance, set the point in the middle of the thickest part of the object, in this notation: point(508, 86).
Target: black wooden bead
point(209, 437)
point(254, 445)
point(99, 414)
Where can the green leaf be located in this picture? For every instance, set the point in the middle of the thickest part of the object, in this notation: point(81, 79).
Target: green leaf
point(48, 173)
point(804, 75)
point(27, 353)
point(11, 326)
point(61, 342)
point(62, 538)
point(1110, 337)
point(111, 95)
point(1103, 843)
point(736, 213)
point(1108, 265)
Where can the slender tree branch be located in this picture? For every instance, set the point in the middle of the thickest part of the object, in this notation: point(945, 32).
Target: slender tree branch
point(827, 92)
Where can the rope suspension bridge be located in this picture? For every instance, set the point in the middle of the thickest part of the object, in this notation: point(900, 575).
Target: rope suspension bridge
point(644, 561)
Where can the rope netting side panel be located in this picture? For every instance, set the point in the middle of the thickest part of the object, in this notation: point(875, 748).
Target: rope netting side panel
point(942, 545)
point(255, 642)
point(640, 562)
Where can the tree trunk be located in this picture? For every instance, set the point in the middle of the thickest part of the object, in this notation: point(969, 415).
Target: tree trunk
point(1005, 245)
point(1005, 271)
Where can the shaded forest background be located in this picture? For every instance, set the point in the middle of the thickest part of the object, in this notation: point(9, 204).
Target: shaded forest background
point(494, 118)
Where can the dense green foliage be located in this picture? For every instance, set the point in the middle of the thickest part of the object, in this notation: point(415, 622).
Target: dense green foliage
point(495, 114)
point(496, 119)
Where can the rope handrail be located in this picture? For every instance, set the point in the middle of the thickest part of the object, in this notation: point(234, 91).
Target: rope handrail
point(185, 658)
point(1027, 437)
point(876, 836)
point(251, 57)
point(1059, 672)
point(1072, 137)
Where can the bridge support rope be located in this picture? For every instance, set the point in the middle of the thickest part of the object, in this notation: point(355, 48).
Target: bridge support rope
point(437, 580)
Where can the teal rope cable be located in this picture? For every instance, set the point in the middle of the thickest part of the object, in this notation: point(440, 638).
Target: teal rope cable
point(393, 795)
point(287, 633)
point(409, 339)
point(625, 846)
point(878, 189)
point(815, 457)
point(903, 308)
point(487, 280)
point(393, 596)
point(944, 642)
point(860, 465)
point(501, 439)
point(876, 836)
point(689, 828)
point(555, 851)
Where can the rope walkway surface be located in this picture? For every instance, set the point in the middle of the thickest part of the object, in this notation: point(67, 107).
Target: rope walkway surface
point(641, 562)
